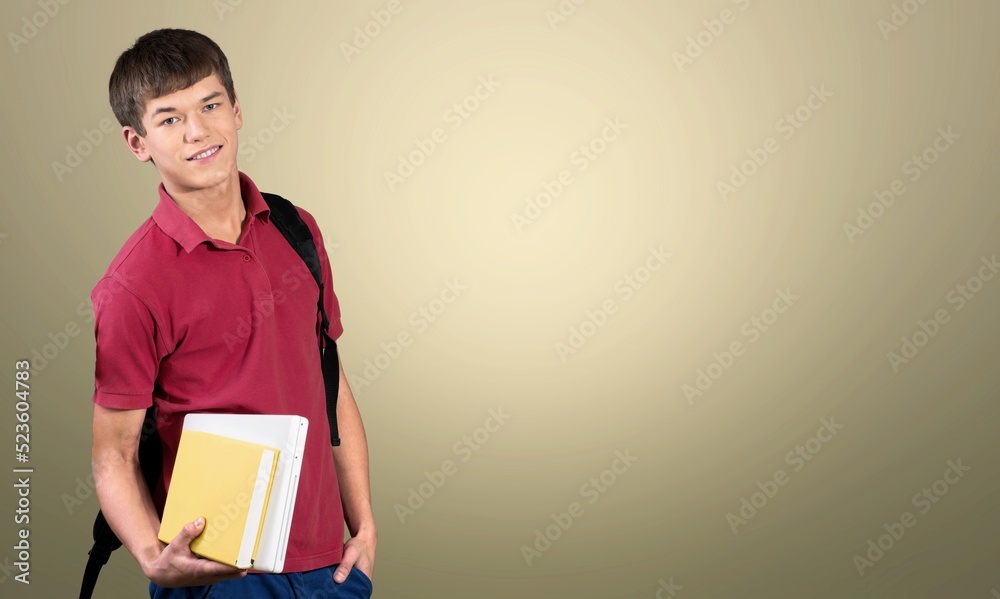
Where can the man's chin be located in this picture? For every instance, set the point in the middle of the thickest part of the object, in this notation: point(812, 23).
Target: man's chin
point(204, 180)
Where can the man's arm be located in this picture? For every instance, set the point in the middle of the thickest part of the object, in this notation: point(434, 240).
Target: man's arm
point(129, 510)
point(351, 460)
point(351, 456)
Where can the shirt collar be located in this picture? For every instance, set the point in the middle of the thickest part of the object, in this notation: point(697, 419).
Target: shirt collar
point(182, 228)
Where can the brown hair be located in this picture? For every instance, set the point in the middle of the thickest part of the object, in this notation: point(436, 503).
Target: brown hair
point(160, 63)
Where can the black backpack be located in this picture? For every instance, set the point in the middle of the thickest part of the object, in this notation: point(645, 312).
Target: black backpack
point(287, 220)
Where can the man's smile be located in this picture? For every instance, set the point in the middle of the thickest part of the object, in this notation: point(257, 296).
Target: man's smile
point(206, 153)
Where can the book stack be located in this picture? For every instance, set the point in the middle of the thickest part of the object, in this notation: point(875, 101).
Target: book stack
point(240, 472)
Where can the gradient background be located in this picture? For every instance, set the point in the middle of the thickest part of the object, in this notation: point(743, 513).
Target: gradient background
point(495, 346)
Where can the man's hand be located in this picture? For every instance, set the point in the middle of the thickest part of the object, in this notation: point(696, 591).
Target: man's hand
point(359, 551)
point(176, 566)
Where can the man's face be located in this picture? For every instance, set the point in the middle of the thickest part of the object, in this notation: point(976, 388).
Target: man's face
point(190, 136)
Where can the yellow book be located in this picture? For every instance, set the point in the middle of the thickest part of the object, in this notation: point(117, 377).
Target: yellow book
point(227, 481)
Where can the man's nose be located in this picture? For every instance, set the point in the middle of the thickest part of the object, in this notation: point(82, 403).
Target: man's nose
point(195, 128)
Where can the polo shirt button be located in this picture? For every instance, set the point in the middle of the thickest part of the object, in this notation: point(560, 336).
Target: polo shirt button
point(246, 257)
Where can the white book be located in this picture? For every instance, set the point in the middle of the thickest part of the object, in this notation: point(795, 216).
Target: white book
point(286, 433)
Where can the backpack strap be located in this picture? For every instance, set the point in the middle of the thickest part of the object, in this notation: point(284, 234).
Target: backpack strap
point(286, 218)
point(105, 541)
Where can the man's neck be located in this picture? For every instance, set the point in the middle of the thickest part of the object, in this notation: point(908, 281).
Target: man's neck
point(219, 212)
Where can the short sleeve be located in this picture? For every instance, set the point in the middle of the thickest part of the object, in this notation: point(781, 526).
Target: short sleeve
point(127, 358)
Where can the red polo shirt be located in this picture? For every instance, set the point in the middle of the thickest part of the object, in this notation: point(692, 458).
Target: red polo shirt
point(201, 325)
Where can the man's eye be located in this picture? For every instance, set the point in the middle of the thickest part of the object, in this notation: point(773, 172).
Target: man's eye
point(212, 106)
point(168, 121)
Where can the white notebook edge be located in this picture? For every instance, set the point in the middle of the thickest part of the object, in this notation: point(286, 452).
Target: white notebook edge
point(300, 436)
point(255, 511)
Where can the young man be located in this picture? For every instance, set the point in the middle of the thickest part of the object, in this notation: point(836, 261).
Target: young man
point(208, 308)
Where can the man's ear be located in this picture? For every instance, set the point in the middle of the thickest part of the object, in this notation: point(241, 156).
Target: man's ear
point(237, 111)
point(136, 143)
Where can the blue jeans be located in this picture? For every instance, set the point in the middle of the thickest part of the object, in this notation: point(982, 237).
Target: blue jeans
point(314, 584)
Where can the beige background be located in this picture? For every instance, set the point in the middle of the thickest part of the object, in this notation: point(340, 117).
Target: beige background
point(495, 347)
